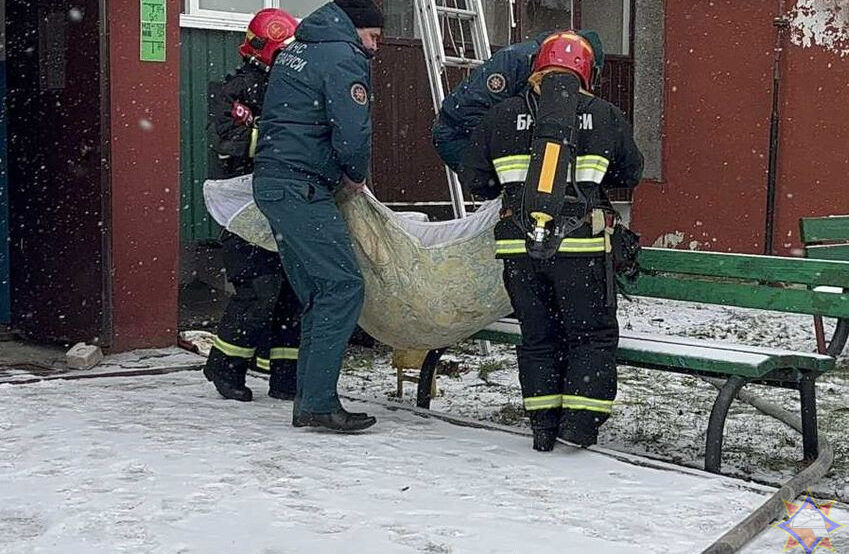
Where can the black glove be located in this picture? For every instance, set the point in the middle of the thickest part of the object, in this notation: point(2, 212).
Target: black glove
point(625, 250)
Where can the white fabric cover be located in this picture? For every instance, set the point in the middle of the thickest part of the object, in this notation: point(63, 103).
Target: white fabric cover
point(427, 284)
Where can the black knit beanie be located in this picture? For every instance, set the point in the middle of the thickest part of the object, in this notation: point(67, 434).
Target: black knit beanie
point(363, 13)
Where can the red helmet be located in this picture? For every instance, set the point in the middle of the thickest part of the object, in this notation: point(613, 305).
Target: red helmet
point(267, 33)
point(569, 51)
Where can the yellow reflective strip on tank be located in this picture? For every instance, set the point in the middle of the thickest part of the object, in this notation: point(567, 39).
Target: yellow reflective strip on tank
point(549, 402)
point(585, 403)
point(232, 349)
point(284, 353)
point(263, 364)
point(549, 167)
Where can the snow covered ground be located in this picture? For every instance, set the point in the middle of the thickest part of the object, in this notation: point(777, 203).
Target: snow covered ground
point(657, 414)
point(161, 464)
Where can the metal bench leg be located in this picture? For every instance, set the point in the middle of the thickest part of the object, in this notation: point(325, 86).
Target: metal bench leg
point(838, 341)
point(426, 377)
point(716, 426)
point(820, 334)
point(808, 396)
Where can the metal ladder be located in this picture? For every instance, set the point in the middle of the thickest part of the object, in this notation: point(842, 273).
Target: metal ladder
point(439, 20)
point(451, 20)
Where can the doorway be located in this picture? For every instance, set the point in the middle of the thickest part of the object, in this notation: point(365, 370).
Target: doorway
point(57, 175)
point(5, 299)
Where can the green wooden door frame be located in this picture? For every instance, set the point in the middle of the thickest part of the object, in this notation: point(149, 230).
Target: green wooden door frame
point(206, 55)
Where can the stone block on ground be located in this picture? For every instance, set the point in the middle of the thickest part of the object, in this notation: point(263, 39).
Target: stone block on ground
point(83, 356)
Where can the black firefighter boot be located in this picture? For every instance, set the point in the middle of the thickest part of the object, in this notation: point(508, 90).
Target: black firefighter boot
point(580, 427)
point(228, 376)
point(340, 421)
point(583, 436)
point(545, 438)
point(283, 379)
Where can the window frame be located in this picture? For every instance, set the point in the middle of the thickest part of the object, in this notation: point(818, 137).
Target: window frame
point(194, 16)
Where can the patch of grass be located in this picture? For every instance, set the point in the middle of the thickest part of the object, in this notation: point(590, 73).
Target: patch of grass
point(469, 347)
point(510, 414)
point(488, 367)
point(451, 369)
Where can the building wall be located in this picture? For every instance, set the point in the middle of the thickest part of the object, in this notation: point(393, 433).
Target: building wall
point(717, 98)
point(206, 56)
point(145, 187)
point(814, 150)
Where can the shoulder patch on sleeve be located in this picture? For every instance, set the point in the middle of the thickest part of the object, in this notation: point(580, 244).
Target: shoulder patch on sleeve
point(359, 94)
point(496, 83)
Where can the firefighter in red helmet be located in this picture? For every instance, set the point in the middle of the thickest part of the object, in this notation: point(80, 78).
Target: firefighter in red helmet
point(268, 32)
point(260, 326)
point(553, 152)
point(236, 107)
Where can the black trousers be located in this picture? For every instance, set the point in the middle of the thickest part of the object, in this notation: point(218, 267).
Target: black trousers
point(260, 327)
point(567, 359)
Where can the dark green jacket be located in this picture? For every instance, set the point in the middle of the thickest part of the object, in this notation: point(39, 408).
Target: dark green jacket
point(316, 121)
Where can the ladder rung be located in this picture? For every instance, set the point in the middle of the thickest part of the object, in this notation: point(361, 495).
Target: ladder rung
point(457, 12)
point(462, 62)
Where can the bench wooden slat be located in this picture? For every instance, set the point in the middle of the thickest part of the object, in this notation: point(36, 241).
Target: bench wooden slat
point(762, 359)
point(811, 272)
point(819, 229)
point(746, 295)
point(836, 252)
point(681, 353)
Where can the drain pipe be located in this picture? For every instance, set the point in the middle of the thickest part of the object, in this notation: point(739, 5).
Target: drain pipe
point(781, 23)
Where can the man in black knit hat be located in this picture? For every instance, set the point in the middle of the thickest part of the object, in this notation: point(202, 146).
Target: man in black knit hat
point(315, 137)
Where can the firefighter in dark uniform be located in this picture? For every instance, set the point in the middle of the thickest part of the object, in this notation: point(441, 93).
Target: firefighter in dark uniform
point(553, 152)
point(260, 325)
point(315, 137)
point(503, 76)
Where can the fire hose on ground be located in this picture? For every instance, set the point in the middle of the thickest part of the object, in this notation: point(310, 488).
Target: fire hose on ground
point(740, 535)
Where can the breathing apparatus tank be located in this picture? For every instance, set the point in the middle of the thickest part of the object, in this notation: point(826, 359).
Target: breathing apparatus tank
point(552, 204)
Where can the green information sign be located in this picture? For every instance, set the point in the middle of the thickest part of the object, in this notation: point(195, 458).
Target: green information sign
point(152, 31)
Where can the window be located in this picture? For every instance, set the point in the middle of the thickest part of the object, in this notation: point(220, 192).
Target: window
point(399, 19)
point(611, 19)
point(234, 15)
point(546, 15)
point(244, 6)
point(498, 21)
point(402, 19)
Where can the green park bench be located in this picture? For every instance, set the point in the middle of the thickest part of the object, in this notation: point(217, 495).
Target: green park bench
point(827, 238)
point(763, 282)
